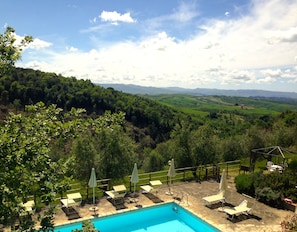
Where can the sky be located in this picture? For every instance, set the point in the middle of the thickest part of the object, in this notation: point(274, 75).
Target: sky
point(222, 44)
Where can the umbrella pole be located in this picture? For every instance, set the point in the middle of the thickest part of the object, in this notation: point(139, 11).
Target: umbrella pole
point(94, 196)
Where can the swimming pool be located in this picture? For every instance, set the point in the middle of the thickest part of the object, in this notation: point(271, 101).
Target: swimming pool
point(163, 217)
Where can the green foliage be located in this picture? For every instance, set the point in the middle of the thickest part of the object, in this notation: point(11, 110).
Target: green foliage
point(47, 220)
point(25, 145)
point(244, 184)
point(154, 161)
point(268, 188)
point(293, 166)
point(87, 226)
point(10, 49)
point(268, 195)
point(84, 156)
point(152, 120)
point(224, 104)
point(116, 152)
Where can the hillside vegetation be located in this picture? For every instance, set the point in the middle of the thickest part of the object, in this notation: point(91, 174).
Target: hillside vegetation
point(202, 105)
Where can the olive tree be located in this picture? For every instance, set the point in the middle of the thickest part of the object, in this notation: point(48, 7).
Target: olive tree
point(10, 49)
point(25, 163)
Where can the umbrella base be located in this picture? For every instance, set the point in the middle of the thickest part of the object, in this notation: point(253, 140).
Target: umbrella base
point(134, 195)
point(93, 208)
point(169, 193)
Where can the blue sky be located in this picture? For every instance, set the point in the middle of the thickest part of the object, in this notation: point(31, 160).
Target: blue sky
point(224, 44)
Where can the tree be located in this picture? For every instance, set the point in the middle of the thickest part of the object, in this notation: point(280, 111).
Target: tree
point(84, 154)
point(10, 49)
point(25, 163)
point(116, 153)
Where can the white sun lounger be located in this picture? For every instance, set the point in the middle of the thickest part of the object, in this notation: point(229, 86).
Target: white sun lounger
point(117, 194)
point(215, 198)
point(242, 208)
point(153, 186)
point(146, 188)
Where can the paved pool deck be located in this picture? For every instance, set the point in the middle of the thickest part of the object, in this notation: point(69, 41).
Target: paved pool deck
point(189, 195)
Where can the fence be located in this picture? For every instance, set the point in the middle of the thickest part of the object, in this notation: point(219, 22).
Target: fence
point(200, 173)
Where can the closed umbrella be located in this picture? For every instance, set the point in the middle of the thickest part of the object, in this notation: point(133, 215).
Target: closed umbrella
point(223, 181)
point(134, 177)
point(171, 173)
point(93, 183)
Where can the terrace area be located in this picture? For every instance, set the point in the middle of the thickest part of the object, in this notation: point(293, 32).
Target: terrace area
point(188, 194)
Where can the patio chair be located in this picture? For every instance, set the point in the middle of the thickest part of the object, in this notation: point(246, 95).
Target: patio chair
point(242, 208)
point(153, 186)
point(146, 188)
point(117, 195)
point(220, 197)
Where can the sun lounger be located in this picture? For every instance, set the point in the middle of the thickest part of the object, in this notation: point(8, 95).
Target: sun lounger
point(117, 194)
point(76, 197)
point(153, 186)
point(215, 198)
point(242, 208)
point(146, 188)
point(66, 202)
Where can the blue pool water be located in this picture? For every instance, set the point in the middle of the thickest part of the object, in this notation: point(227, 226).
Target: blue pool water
point(164, 217)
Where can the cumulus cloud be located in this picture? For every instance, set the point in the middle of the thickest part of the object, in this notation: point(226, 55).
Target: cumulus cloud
point(115, 17)
point(39, 44)
point(279, 36)
point(272, 72)
point(229, 51)
point(71, 49)
point(266, 80)
point(159, 42)
point(185, 12)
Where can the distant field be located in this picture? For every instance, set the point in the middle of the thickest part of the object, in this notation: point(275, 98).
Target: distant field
point(202, 105)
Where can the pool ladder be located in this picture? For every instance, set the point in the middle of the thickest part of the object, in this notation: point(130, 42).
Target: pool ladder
point(180, 197)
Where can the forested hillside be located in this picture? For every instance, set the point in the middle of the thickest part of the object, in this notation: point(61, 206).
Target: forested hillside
point(26, 86)
point(156, 121)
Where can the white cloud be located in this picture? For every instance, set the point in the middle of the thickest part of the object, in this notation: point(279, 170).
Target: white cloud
point(115, 17)
point(39, 44)
point(228, 51)
point(185, 12)
point(289, 35)
point(72, 49)
point(266, 80)
point(272, 72)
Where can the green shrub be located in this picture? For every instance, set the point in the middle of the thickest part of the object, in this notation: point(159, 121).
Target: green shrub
point(268, 196)
point(244, 184)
